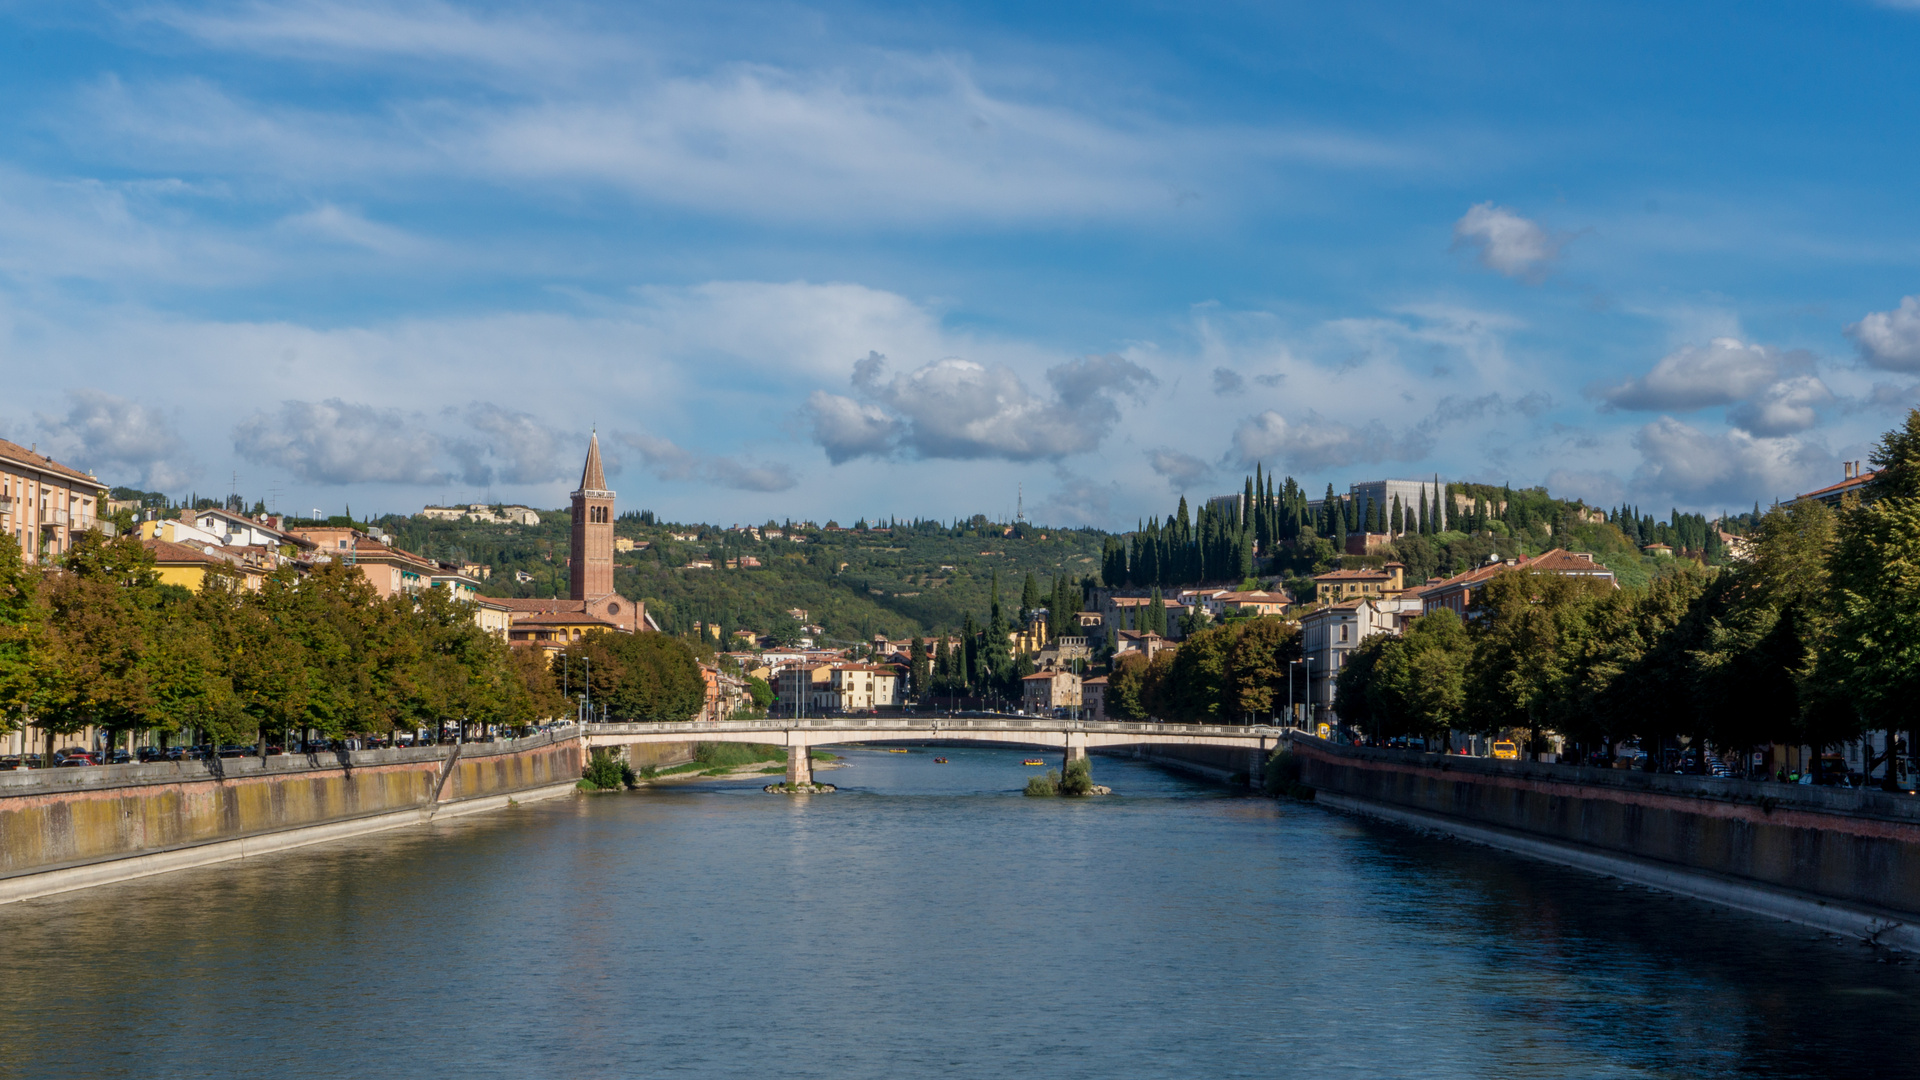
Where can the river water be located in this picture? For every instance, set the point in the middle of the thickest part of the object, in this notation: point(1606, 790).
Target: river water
point(927, 920)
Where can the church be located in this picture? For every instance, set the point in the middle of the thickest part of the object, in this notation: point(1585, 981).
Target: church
point(591, 603)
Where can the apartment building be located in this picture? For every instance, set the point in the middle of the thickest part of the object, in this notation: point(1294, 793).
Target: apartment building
point(44, 505)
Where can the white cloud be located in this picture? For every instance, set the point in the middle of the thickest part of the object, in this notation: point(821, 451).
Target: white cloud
point(119, 440)
point(1693, 468)
point(849, 429)
point(1182, 471)
point(336, 442)
point(1785, 408)
point(1507, 243)
point(417, 30)
point(334, 224)
point(1724, 371)
point(954, 408)
point(1890, 339)
point(895, 138)
point(516, 448)
point(673, 463)
point(1317, 444)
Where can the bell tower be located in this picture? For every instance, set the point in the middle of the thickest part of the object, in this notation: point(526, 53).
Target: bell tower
point(590, 570)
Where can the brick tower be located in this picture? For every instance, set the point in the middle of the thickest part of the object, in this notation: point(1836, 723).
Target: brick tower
point(590, 570)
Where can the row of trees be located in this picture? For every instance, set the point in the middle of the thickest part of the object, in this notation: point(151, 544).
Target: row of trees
point(1223, 674)
point(100, 642)
point(1814, 640)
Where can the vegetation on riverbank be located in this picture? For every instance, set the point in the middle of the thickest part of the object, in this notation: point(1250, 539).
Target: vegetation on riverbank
point(605, 772)
point(1076, 781)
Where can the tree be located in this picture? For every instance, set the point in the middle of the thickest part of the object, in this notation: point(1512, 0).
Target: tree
point(94, 670)
point(1534, 627)
point(920, 671)
point(21, 627)
point(1870, 668)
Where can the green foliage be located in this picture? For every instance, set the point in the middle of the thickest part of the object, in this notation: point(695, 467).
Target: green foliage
point(1225, 673)
point(1077, 779)
point(915, 577)
point(646, 676)
point(1412, 685)
point(607, 772)
point(1044, 785)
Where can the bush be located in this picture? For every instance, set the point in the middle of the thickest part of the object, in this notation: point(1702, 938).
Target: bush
point(1078, 779)
point(607, 773)
point(1044, 784)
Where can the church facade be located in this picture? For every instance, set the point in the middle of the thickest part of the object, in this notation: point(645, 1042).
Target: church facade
point(591, 603)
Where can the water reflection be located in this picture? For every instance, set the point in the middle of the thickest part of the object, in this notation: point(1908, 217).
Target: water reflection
point(927, 920)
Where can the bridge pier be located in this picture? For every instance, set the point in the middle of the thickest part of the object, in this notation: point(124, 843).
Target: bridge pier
point(799, 765)
point(1076, 750)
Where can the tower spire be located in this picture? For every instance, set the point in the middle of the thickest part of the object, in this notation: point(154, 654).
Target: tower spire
point(593, 477)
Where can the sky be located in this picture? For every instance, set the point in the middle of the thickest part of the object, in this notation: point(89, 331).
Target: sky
point(837, 260)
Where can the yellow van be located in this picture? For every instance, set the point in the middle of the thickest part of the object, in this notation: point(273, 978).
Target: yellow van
point(1506, 751)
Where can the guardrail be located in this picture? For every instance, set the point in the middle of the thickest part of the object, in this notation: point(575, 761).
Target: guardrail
point(693, 728)
point(195, 770)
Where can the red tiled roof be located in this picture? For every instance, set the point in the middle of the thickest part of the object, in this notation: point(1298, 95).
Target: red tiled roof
point(1352, 575)
point(166, 551)
point(33, 459)
point(1849, 482)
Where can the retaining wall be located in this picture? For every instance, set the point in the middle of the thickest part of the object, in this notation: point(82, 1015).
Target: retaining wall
point(1855, 847)
point(55, 820)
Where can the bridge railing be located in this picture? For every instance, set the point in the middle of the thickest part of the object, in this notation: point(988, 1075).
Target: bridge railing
point(932, 727)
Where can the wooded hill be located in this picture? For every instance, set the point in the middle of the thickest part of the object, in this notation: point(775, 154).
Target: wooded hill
point(899, 578)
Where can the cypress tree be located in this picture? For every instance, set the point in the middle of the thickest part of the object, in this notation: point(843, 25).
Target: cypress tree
point(1422, 525)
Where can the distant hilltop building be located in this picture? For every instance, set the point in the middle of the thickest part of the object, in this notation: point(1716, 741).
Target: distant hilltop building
point(481, 512)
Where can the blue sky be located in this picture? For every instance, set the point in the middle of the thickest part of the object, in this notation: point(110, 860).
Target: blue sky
point(839, 260)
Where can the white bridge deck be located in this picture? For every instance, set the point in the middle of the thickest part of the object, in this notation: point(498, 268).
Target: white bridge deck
point(1074, 737)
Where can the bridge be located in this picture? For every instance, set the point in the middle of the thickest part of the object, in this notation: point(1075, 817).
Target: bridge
point(1073, 738)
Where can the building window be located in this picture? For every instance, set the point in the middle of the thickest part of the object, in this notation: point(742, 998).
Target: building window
point(1343, 633)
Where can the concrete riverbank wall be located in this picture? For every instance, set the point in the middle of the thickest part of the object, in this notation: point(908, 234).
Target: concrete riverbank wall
point(62, 829)
point(1845, 860)
point(1219, 764)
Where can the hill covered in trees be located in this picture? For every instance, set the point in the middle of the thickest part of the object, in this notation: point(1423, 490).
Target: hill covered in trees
point(897, 578)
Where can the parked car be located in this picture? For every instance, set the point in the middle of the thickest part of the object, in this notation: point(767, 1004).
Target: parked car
point(74, 762)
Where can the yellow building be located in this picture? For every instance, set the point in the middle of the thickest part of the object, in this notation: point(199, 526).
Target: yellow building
point(189, 567)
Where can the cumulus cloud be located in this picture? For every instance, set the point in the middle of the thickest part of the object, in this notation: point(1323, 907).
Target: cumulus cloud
point(671, 462)
point(955, 408)
point(1507, 243)
point(516, 449)
point(338, 442)
point(1181, 470)
point(1722, 372)
point(1694, 468)
point(1317, 443)
point(1890, 339)
point(117, 438)
point(1784, 408)
point(1227, 382)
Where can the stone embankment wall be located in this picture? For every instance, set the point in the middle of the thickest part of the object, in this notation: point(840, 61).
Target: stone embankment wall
point(1817, 844)
point(55, 822)
point(1220, 764)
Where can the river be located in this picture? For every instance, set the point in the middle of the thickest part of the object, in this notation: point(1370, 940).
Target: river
point(927, 920)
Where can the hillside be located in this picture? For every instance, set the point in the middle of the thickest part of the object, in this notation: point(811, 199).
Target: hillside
point(913, 578)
